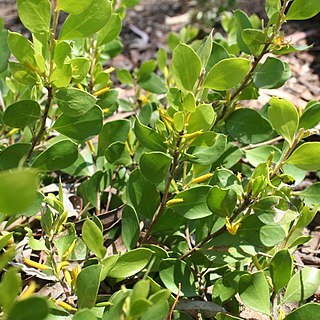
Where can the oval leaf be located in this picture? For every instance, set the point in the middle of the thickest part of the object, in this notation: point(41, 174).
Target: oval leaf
point(22, 114)
point(60, 155)
point(302, 10)
point(250, 122)
point(284, 118)
point(254, 292)
point(194, 204)
point(93, 238)
point(281, 267)
point(74, 102)
point(308, 311)
point(72, 6)
point(88, 22)
point(87, 286)
point(155, 166)
point(174, 272)
point(35, 14)
point(306, 156)
point(130, 263)
point(130, 228)
point(302, 285)
point(227, 74)
point(186, 67)
point(82, 127)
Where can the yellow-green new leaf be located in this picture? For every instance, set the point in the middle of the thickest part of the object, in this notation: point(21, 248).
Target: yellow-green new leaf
point(306, 156)
point(35, 14)
point(186, 67)
point(284, 118)
point(18, 190)
point(227, 74)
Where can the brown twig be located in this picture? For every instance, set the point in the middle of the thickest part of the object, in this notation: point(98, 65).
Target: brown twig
point(176, 300)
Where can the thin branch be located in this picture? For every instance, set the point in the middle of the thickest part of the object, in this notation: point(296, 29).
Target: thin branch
point(42, 129)
point(166, 192)
point(261, 144)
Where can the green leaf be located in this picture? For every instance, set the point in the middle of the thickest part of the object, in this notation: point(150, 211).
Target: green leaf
point(261, 154)
point(125, 77)
point(82, 127)
point(74, 102)
point(201, 119)
point(88, 190)
point(111, 30)
point(130, 3)
point(248, 126)
point(310, 195)
point(306, 156)
point(186, 67)
point(93, 238)
point(146, 69)
point(10, 287)
point(272, 7)
point(155, 166)
point(281, 267)
point(31, 308)
point(162, 58)
point(254, 292)
point(35, 14)
point(243, 22)
point(308, 311)
point(5, 52)
point(284, 118)
point(222, 201)
point(303, 10)
point(194, 205)
point(174, 272)
point(22, 49)
point(22, 74)
point(255, 40)
point(130, 229)
point(130, 263)
point(58, 156)
point(114, 131)
point(10, 157)
point(80, 69)
point(118, 153)
point(149, 138)
point(62, 50)
point(84, 314)
point(204, 50)
point(227, 74)
point(210, 146)
point(73, 7)
point(273, 73)
point(18, 190)
point(22, 114)
point(310, 117)
point(61, 76)
point(218, 53)
point(143, 195)
point(153, 83)
point(88, 22)
point(302, 285)
point(87, 286)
